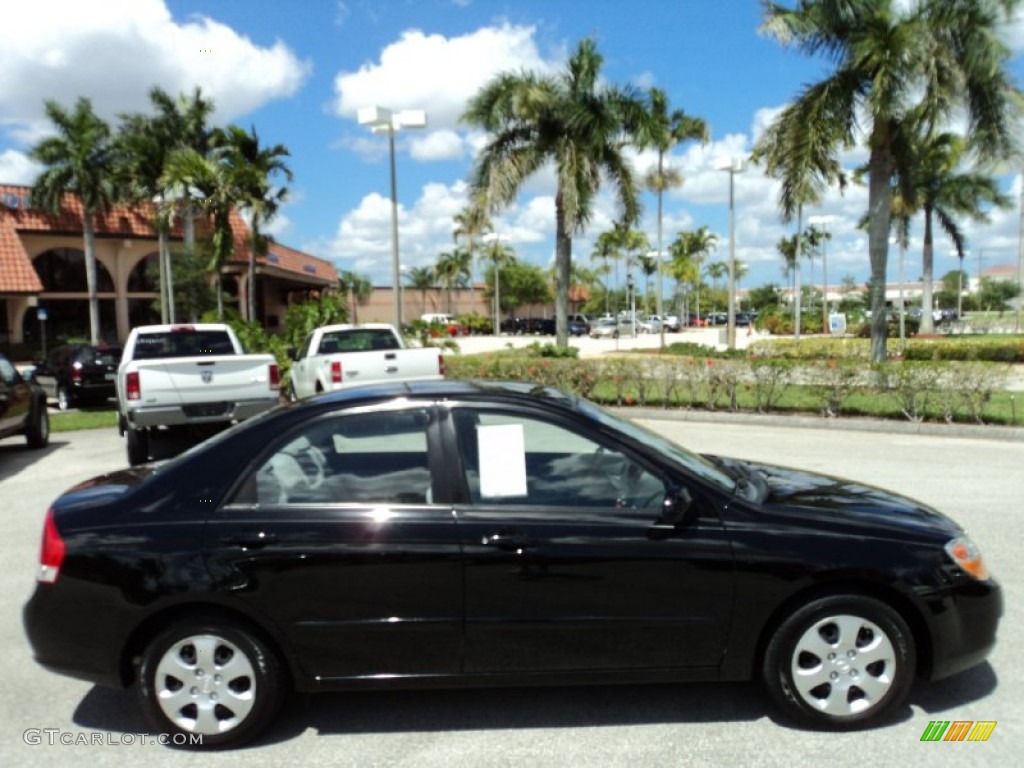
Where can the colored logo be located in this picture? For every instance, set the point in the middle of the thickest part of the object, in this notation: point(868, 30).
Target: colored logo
point(958, 730)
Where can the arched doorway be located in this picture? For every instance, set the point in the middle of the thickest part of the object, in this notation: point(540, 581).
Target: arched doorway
point(62, 272)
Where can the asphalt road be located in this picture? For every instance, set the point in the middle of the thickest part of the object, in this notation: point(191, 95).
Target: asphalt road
point(979, 482)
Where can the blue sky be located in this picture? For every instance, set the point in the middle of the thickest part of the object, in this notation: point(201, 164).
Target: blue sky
point(299, 70)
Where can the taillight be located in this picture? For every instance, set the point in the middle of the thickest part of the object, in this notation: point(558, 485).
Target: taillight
point(275, 377)
point(440, 364)
point(52, 555)
point(336, 372)
point(76, 371)
point(132, 388)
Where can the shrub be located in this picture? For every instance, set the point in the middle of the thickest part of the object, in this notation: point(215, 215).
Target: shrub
point(770, 380)
point(836, 382)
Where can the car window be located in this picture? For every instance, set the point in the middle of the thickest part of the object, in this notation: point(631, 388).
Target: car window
point(369, 458)
point(513, 459)
point(8, 373)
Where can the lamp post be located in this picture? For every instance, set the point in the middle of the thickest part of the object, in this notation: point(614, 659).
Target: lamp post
point(732, 167)
point(492, 239)
point(381, 120)
point(824, 221)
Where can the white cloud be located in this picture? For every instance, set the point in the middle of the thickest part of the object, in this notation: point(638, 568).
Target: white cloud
point(437, 73)
point(437, 145)
point(17, 168)
point(63, 49)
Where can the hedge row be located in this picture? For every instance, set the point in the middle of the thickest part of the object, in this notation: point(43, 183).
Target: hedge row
point(914, 390)
point(1008, 349)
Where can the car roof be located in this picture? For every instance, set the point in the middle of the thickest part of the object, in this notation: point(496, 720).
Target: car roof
point(509, 391)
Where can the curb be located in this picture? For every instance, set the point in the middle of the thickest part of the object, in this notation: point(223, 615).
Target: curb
point(848, 424)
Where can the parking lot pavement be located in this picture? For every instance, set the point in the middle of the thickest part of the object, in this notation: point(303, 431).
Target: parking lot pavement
point(977, 481)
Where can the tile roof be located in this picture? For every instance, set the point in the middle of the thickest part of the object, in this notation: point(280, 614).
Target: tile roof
point(18, 276)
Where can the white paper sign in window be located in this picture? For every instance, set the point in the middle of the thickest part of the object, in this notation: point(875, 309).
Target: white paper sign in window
point(502, 460)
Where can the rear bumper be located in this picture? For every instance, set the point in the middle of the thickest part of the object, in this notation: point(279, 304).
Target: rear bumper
point(66, 640)
point(197, 413)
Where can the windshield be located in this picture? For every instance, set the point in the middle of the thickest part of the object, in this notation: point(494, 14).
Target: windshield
point(696, 464)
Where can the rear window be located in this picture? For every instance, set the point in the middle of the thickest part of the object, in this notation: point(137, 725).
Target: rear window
point(99, 355)
point(357, 341)
point(151, 346)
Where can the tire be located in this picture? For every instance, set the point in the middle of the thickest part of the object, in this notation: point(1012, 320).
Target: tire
point(37, 431)
point(840, 662)
point(212, 677)
point(137, 443)
point(64, 401)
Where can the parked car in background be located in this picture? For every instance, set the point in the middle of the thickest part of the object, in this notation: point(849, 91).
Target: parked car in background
point(457, 533)
point(649, 324)
point(22, 407)
point(609, 327)
point(672, 323)
point(578, 327)
point(79, 374)
point(188, 380)
point(340, 356)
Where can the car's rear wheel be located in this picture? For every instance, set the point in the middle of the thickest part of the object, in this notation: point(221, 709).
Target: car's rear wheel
point(37, 431)
point(840, 662)
point(137, 444)
point(212, 678)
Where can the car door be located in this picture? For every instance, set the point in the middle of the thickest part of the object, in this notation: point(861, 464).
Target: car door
point(565, 567)
point(14, 398)
point(335, 537)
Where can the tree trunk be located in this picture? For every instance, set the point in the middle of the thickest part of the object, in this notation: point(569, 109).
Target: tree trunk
point(563, 263)
point(251, 293)
point(879, 214)
point(798, 288)
point(89, 236)
point(927, 268)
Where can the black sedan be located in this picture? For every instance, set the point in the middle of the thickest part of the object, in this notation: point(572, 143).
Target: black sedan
point(466, 534)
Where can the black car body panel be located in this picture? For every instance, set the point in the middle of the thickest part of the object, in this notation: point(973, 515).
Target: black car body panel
point(442, 588)
point(22, 406)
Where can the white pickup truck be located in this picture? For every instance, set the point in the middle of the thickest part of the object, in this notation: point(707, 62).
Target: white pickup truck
point(340, 356)
point(188, 378)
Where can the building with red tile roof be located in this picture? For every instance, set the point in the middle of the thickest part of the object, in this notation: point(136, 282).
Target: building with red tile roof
point(42, 267)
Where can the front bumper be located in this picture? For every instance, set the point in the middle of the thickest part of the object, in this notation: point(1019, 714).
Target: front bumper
point(963, 624)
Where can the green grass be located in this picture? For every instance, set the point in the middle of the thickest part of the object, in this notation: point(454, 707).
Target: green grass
point(94, 418)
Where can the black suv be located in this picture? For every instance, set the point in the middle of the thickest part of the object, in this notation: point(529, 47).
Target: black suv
point(22, 407)
point(79, 374)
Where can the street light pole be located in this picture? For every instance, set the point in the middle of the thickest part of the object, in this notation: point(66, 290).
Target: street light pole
point(736, 165)
point(381, 120)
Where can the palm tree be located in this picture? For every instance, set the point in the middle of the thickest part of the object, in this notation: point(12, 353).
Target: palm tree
point(145, 142)
point(716, 270)
point(931, 182)
point(608, 247)
point(695, 246)
point(452, 270)
point(78, 160)
point(500, 255)
point(471, 223)
point(422, 279)
point(570, 120)
point(252, 168)
point(357, 289)
point(662, 130)
point(888, 60)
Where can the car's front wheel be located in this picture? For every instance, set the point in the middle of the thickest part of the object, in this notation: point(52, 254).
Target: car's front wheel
point(211, 678)
point(840, 661)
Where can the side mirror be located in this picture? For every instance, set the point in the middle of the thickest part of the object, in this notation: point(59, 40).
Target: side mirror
point(292, 353)
point(674, 511)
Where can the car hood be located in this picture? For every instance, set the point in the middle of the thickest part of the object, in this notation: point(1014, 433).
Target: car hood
point(837, 501)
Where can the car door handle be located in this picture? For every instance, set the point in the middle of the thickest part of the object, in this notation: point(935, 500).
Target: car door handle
point(250, 540)
point(510, 541)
